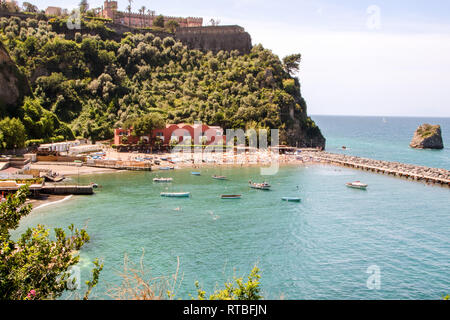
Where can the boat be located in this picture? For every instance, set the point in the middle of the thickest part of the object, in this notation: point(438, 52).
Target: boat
point(219, 177)
point(230, 196)
point(261, 186)
point(166, 168)
point(293, 199)
point(53, 177)
point(357, 185)
point(196, 173)
point(162, 179)
point(175, 194)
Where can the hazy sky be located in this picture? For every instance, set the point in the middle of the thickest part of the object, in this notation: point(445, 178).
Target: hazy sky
point(358, 57)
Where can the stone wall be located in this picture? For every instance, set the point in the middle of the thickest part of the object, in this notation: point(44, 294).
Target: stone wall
point(227, 38)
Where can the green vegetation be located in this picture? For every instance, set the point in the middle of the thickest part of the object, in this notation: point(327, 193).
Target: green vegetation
point(12, 133)
point(92, 84)
point(145, 124)
point(236, 289)
point(35, 267)
point(427, 130)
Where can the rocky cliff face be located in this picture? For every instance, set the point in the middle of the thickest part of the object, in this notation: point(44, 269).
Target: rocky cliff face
point(13, 85)
point(427, 136)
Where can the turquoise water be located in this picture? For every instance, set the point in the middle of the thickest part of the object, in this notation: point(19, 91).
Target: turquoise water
point(384, 138)
point(317, 249)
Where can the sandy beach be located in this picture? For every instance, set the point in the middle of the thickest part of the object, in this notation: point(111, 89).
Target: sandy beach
point(70, 170)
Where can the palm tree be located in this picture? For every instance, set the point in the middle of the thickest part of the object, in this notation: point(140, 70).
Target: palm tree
point(143, 13)
point(129, 12)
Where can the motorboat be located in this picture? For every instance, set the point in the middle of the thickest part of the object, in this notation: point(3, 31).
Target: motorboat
point(357, 185)
point(261, 186)
point(196, 173)
point(230, 196)
point(166, 168)
point(219, 177)
point(175, 194)
point(293, 199)
point(162, 179)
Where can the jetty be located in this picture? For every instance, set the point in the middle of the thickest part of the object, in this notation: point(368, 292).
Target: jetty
point(67, 189)
point(408, 171)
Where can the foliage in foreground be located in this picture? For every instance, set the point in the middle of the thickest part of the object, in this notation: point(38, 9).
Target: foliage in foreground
point(34, 267)
point(236, 289)
point(137, 284)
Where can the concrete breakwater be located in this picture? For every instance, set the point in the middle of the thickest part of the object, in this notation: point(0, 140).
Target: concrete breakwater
point(409, 171)
point(67, 189)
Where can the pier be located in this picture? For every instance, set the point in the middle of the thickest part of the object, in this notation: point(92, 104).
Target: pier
point(408, 171)
point(58, 189)
point(67, 189)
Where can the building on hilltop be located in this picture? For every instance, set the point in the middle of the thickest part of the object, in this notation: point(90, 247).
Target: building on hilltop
point(55, 11)
point(142, 20)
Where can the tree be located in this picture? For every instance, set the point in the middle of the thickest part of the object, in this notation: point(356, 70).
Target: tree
point(145, 125)
point(35, 267)
point(236, 290)
point(28, 7)
point(13, 133)
point(142, 11)
point(84, 6)
point(159, 21)
point(172, 25)
point(214, 22)
point(291, 63)
point(129, 12)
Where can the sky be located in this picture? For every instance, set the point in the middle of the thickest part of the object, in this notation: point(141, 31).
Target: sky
point(386, 57)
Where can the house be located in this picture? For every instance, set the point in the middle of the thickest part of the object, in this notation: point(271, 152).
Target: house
point(55, 11)
point(197, 133)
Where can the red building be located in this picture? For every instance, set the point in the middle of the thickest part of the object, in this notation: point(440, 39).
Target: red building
point(196, 133)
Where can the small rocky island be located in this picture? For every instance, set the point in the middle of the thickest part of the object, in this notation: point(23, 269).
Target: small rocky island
point(427, 136)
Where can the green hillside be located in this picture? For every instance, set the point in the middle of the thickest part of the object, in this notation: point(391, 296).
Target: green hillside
point(88, 86)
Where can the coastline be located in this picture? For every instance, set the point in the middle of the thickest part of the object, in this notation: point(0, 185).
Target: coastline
point(47, 200)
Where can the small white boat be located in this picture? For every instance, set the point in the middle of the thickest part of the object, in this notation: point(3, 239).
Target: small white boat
point(162, 179)
point(293, 199)
point(230, 196)
point(260, 186)
point(357, 185)
point(166, 168)
point(219, 177)
point(196, 173)
point(175, 194)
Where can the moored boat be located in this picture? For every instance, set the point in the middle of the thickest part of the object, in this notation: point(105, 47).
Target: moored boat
point(261, 186)
point(166, 168)
point(196, 173)
point(219, 177)
point(175, 194)
point(230, 196)
point(162, 179)
point(293, 199)
point(357, 185)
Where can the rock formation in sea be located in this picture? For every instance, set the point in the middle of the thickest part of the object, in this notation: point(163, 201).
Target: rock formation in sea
point(427, 136)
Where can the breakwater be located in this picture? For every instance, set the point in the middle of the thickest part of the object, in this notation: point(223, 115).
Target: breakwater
point(67, 189)
point(408, 171)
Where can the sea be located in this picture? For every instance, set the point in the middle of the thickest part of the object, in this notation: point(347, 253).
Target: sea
point(391, 241)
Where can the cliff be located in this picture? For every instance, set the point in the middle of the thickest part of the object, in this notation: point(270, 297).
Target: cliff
point(427, 136)
point(13, 84)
